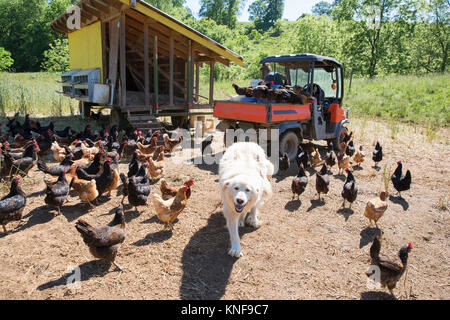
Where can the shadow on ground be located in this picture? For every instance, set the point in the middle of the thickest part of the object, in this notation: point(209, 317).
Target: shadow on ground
point(206, 264)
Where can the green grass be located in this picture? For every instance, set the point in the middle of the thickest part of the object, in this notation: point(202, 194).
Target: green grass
point(421, 100)
point(33, 93)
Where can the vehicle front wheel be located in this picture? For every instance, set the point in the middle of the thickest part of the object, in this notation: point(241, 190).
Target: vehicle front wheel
point(289, 143)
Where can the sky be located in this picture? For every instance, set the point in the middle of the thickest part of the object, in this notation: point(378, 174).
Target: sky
point(292, 8)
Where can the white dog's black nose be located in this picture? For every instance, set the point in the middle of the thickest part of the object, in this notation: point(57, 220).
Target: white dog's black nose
point(240, 201)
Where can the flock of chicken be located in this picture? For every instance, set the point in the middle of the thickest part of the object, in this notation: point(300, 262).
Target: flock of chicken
point(391, 269)
point(89, 165)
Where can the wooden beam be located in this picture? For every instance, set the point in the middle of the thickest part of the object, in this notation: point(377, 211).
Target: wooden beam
point(146, 67)
point(123, 60)
point(171, 69)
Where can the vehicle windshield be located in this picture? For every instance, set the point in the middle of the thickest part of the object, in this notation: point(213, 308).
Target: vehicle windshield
point(325, 80)
point(299, 77)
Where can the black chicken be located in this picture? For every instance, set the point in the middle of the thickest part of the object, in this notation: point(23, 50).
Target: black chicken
point(58, 169)
point(134, 165)
point(350, 151)
point(377, 154)
point(56, 193)
point(21, 166)
point(391, 269)
point(12, 205)
point(303, 157)
point(105, 181)
point(401, 183)
point(95, 166)
point(350, 190)
point(322, 180)
point(299, 183)
point(207, 142)
point(284, 163)
point(138, 190)
point(243, 91)
point(104, 242)
point(331, 158)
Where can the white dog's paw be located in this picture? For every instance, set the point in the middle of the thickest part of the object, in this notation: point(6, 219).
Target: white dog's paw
point(235, 251)
point(253, 221)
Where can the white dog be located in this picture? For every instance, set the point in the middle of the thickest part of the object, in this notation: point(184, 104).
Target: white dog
point(244, 171)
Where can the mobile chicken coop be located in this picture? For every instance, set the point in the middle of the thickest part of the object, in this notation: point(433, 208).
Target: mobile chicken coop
point(138, 61)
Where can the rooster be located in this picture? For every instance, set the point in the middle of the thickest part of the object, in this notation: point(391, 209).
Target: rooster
point(391, 269)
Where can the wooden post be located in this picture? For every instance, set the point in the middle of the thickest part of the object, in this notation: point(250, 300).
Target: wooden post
point(113, 56)
point(104, 53)
point(171, 62)
point(189, 76)
point(197, 82)
point(146, 67)
point(123, 60)
point(211, 83)
point(155, 74)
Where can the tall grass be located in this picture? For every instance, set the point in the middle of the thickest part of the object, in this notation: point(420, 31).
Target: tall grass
point(33, 93)
point(421, 100)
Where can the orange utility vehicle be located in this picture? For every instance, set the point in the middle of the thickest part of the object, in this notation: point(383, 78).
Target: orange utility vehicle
point(323, 118)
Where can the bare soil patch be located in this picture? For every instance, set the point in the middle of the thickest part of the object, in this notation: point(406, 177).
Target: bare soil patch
point(304, 250)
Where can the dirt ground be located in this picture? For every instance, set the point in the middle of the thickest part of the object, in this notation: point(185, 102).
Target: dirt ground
point(304, 250)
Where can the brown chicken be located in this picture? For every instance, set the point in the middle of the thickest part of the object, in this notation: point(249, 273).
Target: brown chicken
point(359, 157)
point(86, 190)
point(376, 207)
point(168, 191)
point(104, 242)
point(391, 269)
point(171, 144)
point(168, 210)
point(148, 150)
point(315, 157)
point(59, 153)
point(343, 160)
point(155, 169)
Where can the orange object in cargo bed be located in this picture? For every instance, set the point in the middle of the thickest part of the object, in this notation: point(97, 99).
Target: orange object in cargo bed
point(290, 112)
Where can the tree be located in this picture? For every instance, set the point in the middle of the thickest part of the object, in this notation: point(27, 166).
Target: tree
point(441, 28)
point(5, 59)
point(322, 8)
point(264, 13)
point(56, 59)
point(223, 12)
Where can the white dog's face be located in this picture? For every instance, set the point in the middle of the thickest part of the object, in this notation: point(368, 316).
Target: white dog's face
point(240, 195)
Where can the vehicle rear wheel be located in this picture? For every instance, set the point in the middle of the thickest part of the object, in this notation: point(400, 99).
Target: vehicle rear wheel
point(337, 141)
point(289, 143)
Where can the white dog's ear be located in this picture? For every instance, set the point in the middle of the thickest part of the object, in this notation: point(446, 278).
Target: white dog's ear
point(225, 185)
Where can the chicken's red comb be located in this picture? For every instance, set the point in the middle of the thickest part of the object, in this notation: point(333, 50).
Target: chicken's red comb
point(108, 159)
point(410, 245)
point(343, 144)
point(189, 183)
point(233, 84)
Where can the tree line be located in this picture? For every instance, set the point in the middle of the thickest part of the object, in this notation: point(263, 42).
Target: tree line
point(370, 37)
